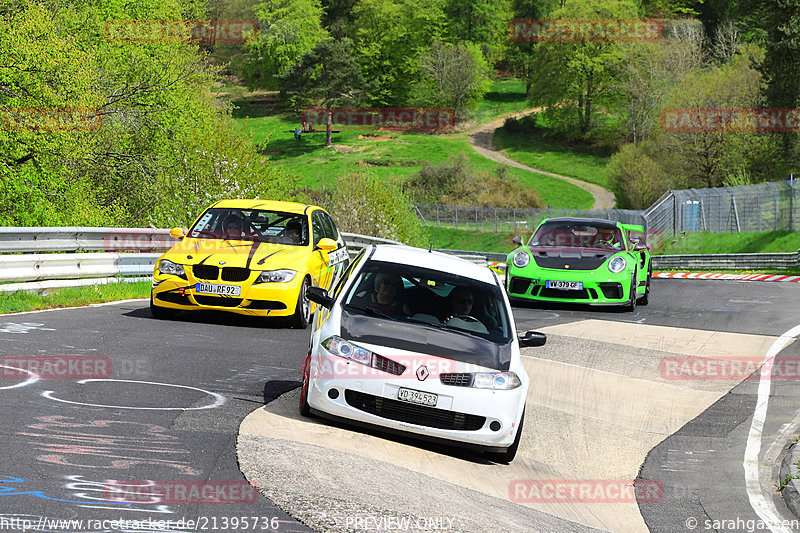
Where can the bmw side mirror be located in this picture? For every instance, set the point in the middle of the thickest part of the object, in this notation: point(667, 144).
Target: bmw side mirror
point(517, 240)
point(320, 296)
point(177, 233)
point(532, 338)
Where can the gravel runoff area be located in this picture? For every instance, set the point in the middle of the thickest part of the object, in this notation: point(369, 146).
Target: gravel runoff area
point(316, 486)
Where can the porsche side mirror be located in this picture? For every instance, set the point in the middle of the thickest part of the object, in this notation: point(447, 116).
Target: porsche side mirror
point(177, 233)
point(532, 338)
point(517, 240)
point(639, 247)
point(320, 296)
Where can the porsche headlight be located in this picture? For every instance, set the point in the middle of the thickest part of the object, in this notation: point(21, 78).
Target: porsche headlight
point(496, 380)
point(348, 350)
point(617, 265)
point(521, 259)
point(168, 267)
point(276, 276)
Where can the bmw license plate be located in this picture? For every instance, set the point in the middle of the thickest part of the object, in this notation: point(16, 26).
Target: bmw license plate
point(216, 288)
point(419, 397)
point(565, 285)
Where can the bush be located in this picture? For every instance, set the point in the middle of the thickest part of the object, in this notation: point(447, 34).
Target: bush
point(635, 178)
point(454, 182)
point(362, 203)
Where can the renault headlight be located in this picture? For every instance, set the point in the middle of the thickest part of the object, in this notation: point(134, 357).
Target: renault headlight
point(338, 346)
point(496, 380)
point(521, 259)
point(276, 276)
point(166, 266)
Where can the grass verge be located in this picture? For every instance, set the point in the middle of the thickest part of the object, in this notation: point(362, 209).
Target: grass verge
point(15, 302)
point(390, 154)
point(732, 243)
point(540, 151)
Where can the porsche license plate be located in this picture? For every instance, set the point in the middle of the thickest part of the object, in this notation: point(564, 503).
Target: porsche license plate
point(565, 285)
point(419, 397)
point(215, 288)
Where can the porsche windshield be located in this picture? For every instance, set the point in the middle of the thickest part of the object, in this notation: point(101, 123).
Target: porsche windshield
point(577, 235)
point(437, 299)
point(252, 225)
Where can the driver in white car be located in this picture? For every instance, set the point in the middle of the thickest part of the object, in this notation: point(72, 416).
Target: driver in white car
point(460, 301)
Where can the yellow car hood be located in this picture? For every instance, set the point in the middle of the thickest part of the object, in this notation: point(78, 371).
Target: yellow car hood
point(235, 253)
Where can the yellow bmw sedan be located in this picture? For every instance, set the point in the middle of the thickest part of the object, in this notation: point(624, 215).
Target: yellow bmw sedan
point(250, 257)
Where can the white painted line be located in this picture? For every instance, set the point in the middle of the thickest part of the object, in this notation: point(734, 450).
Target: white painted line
point(32, 379)
point(218, 398)
point(762, 503)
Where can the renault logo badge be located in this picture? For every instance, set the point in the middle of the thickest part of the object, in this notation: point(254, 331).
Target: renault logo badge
point(423, 373)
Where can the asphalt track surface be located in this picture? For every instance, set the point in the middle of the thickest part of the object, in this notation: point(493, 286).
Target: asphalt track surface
point(171, 407)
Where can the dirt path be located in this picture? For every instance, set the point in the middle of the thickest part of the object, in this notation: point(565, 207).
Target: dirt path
point(481, 140)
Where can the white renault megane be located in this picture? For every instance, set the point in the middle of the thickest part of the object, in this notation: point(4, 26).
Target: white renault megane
point(419, 342)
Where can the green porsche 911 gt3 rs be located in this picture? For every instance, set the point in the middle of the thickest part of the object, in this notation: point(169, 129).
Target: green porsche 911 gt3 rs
point(582, 260)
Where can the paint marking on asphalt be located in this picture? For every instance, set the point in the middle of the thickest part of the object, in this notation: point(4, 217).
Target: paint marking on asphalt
point(761, 504)
point(219, 399)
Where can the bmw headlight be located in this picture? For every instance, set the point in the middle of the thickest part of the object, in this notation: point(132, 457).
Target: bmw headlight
point(521, 259)
point(617, 265)
point(168, 267)
point(276, 276)
point(496, 380)
point(348, 350)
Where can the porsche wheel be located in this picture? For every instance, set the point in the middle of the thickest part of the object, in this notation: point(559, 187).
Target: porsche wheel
point(631, 305)
point(302, 312)
point(644, 300)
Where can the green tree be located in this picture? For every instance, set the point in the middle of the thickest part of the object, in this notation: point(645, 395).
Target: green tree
point(706, 158)
point(328, 76)
point(287, 30)
point(483, 22)
point(454, 76)
point(388, 37)
point(575, 78)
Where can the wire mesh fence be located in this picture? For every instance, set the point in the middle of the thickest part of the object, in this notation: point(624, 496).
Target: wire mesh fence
point(501, 219)
point(745, 208)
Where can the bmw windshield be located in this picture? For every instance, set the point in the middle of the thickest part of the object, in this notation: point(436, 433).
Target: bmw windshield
point(252, 225)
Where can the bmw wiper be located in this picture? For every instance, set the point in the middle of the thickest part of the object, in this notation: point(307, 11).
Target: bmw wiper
point(371, 310)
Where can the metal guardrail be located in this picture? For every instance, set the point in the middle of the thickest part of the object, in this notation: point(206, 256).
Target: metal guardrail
point(79, 239)
point(103, 260)
point(776, 261)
